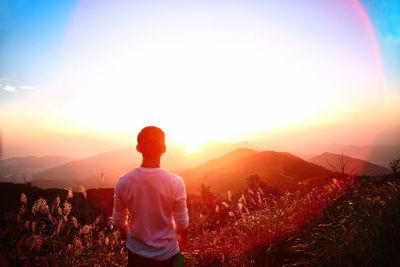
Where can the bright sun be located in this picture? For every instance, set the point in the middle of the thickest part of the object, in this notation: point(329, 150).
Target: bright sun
point(230, 74)
point(192, 148)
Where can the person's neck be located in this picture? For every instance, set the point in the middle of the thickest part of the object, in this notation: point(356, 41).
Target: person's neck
point(150, 163)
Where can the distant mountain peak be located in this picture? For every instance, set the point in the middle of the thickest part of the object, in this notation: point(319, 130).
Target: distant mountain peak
point(230, 171)
point(335, 162)
point(20, 169)
point(239, 152)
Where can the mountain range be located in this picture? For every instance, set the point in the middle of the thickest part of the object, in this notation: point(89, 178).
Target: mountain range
point(20, 169)
point(230, 171)
point(349, 165)
point(223, 167)
point(376, 154)
point(90, 171)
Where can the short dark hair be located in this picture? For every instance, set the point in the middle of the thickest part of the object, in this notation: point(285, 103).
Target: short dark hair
point(151, 140)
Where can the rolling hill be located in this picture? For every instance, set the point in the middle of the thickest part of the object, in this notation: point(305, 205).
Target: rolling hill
point(332, 162)
point(379, 155)
point(230, 171)
point(88, 171)
point(20, 169)
point(113, 164)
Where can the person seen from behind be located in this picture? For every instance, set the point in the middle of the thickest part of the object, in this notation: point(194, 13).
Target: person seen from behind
point(150, 206)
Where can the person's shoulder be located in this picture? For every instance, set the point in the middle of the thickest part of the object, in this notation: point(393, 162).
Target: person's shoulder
point(126, 177)
point(174, 178)
point(178, 185)
point(171, 174)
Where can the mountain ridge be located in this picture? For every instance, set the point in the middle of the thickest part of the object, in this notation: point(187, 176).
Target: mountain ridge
point(335, 162)
point(22, 168)
point(275, 168)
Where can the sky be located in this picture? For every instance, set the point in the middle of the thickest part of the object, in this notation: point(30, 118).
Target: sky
point(79, 77)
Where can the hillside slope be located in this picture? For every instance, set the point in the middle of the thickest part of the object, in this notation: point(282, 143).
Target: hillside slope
point(231, 171)
point(113, 164)
point(13, 169)
point(88, 171)
point(332, 162)
point(380, 155)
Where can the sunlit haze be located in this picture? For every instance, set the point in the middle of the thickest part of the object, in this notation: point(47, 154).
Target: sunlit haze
point(83, 77)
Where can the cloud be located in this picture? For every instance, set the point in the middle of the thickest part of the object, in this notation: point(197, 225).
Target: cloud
point(21, 90)
point(9, 88)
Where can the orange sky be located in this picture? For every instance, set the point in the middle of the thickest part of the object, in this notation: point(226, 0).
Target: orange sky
point(255, 73)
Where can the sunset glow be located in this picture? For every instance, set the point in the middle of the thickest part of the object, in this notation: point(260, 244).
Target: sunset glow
point(199, 133)
point(203, 71)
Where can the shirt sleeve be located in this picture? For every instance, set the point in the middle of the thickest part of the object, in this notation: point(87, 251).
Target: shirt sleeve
point(181, 215)
point(120, 211)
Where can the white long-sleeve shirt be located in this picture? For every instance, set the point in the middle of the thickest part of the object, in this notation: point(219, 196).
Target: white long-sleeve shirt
point(156, 201)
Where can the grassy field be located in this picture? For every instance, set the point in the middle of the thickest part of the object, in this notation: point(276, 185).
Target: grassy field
point(349, 221)
point(361, 228)
point(353, 221)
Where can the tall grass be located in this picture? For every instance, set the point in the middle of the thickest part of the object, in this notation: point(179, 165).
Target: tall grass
point(246, 235)
point(345, 222)
point(362, 228)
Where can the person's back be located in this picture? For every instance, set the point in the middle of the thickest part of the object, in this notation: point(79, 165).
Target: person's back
point(156, 201)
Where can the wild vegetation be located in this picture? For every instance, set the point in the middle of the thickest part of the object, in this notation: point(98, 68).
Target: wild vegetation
point(57, 228)
point(362, 228)
point(351, 221)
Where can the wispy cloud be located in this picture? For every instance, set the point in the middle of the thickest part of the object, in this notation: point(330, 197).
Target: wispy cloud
point(13, 88)
point(9, 88)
